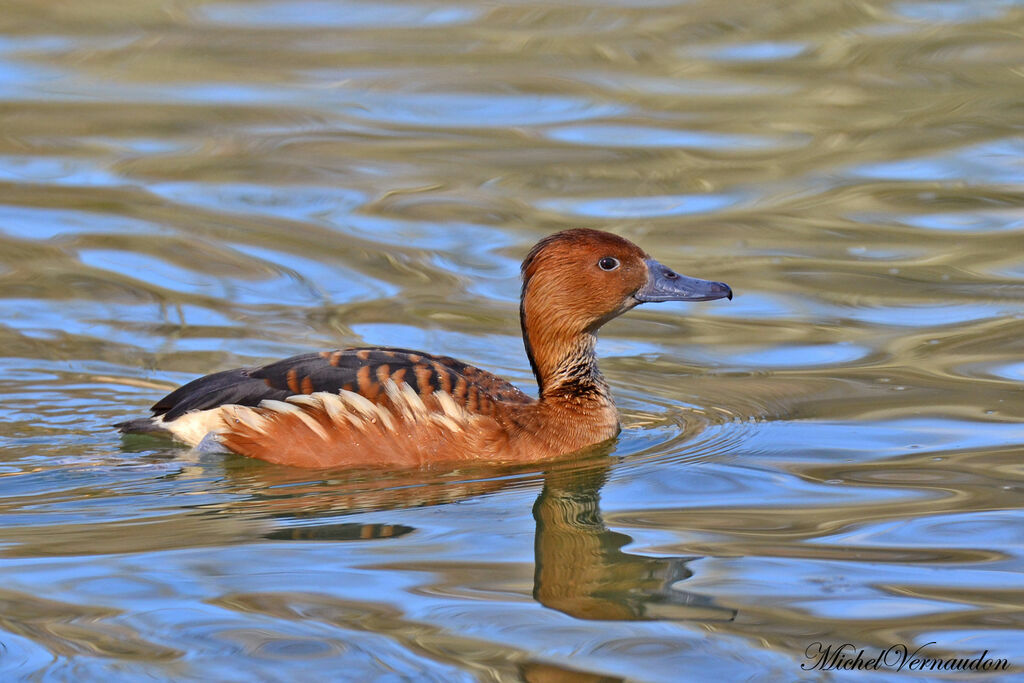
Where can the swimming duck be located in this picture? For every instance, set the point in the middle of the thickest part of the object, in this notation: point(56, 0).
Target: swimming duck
point(401, 408)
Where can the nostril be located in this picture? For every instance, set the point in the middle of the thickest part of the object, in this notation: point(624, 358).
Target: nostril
point(671, 274)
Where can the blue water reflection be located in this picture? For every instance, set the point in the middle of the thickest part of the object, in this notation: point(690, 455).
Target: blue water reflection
point(319, 13)
point(642, 207)
point(992, 162)
point(618, 135)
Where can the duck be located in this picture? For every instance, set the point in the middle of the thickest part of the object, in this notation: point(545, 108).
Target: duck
point(394, 407)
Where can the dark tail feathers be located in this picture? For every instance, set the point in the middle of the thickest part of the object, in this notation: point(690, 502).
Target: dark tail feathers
point(144, 425)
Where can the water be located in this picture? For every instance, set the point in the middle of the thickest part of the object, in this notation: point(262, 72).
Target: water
point(834, 456)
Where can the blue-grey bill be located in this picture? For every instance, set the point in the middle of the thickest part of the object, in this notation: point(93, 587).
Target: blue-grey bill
point(664, 284)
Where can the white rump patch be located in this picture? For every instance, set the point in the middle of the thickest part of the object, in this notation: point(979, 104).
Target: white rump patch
point(192, 428)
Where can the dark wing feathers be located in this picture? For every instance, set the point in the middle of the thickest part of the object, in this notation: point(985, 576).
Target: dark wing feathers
point(361, 370)
point(231, 386)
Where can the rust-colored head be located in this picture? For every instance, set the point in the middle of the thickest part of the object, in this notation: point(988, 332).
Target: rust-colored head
point(580, 279)
point(577, 280)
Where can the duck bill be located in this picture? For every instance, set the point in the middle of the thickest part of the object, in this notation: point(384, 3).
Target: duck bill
point(664, 284)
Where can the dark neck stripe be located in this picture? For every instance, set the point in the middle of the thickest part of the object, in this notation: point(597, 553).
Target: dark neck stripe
point(577, 375)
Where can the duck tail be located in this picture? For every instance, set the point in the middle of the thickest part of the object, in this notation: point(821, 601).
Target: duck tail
point(143, 425)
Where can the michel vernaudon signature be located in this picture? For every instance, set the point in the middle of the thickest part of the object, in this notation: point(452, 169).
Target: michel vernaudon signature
point(900, 657)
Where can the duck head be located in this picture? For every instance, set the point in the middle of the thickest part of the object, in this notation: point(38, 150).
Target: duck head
point(577, 280)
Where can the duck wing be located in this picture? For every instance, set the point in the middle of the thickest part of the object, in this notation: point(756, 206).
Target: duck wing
point(360, 370)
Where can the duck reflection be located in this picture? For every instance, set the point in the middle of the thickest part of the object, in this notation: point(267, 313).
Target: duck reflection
point(345, 531)
point(580, 569)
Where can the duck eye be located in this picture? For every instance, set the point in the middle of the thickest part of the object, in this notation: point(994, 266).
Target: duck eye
point(608, 263)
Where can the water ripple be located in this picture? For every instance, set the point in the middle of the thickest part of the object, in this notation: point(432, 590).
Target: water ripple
point(621, 135)
point(457, 110)
point(319, 14)
point(641, 207)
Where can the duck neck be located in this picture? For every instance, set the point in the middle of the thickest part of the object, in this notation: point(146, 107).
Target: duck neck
point(575, 409)
point(573, 374)
point(564, 363)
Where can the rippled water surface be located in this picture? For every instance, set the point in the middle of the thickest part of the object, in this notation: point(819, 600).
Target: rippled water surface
point(835, 456)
